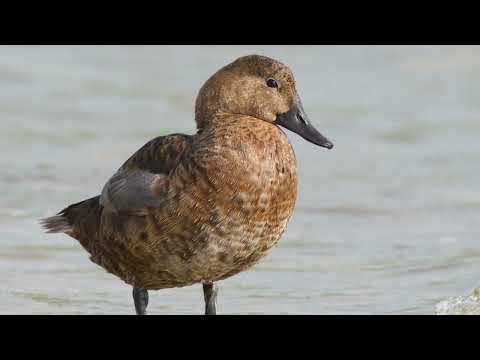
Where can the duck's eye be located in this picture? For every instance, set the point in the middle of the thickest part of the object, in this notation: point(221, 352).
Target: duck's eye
point(272, 83)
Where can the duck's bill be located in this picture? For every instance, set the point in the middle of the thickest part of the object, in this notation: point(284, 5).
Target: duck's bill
point(297, 121)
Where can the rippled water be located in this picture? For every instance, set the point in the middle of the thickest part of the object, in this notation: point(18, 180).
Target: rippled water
point(387, 223)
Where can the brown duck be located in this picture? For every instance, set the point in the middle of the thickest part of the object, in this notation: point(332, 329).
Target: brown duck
point(199, 209)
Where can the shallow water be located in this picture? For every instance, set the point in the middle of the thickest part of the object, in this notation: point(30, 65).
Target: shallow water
point(387, 223)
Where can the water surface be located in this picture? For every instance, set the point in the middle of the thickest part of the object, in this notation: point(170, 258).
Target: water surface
point(387, 223)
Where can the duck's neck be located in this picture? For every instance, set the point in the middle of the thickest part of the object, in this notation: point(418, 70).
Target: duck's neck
point(243, 145)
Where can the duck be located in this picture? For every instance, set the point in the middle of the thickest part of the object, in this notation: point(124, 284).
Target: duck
point(198, 209)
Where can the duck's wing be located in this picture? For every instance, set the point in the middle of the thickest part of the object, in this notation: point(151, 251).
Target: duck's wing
point(138, 184)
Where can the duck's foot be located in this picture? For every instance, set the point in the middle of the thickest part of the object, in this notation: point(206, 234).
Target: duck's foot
point(140, 296)
point(210, 291)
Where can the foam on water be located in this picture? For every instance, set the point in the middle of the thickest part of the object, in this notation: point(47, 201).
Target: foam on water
point(460, 305)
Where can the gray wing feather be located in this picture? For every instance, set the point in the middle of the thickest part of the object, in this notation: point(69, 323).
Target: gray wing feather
point(130, 191)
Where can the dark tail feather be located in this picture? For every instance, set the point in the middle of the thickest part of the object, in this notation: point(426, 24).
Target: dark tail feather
point(66, 220)
point(56, 224)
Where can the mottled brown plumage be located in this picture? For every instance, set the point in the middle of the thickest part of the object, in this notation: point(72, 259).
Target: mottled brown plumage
point(190, 209)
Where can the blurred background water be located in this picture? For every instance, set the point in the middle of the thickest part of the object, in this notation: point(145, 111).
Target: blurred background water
point(387, 223)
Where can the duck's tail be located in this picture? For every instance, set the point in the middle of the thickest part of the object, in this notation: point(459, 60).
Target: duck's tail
point(67, 219)
point(56, 224)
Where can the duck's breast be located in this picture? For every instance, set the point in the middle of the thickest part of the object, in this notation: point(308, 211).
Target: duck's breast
point(248, 176)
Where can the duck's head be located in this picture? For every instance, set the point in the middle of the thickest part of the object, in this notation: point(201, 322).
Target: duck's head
point(259, 87)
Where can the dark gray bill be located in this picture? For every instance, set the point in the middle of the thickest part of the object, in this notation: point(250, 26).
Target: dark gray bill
point(297, 121)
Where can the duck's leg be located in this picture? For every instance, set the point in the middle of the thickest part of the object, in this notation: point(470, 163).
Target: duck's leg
point(210, 291)
point(140, 296)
